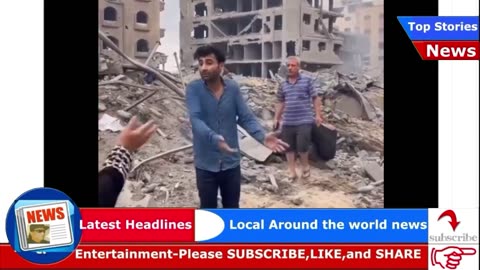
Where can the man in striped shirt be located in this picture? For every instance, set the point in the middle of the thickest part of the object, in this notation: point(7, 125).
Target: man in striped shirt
point(297, 110)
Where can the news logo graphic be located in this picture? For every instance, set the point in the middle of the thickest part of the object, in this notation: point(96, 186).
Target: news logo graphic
point(444, 38)
point(454, 239)
point(43, 226)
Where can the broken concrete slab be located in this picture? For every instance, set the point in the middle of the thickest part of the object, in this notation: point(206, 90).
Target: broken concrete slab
point(110, 123)
point(373, 170)
point(253, 149)
point(369, 110)
point(349, 105)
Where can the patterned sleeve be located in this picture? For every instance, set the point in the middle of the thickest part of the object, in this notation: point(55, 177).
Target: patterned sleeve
point(120, 159)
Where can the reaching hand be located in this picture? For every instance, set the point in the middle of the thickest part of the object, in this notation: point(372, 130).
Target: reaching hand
point(224, 147)
point(274, 143)
point(134, 135)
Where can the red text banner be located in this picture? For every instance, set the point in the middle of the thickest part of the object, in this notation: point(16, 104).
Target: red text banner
point(131, 225)
point(448, 50)
point(260, 256)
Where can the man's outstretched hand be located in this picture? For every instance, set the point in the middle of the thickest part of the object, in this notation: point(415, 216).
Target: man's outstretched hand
point(134, 135)
point(274, 143)
point(224, 147)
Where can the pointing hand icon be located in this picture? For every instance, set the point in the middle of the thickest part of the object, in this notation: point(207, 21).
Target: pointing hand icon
point(450, 257)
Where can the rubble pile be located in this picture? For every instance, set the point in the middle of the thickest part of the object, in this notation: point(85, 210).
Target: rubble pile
point(260, 95)
point(170, 180)
point(163, 173)
point(360, 142)
point(109, 63)
point(165, 182)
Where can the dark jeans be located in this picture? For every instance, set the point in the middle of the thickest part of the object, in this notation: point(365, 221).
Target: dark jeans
point(229, 183)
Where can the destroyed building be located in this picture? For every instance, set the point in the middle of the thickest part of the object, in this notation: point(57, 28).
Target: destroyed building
point(355, 48)
point(257, 35)
point(365, 18)
point(163, 171)
point(133, 25)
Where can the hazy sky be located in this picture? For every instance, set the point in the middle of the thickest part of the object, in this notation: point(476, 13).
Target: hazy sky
point(170, 20)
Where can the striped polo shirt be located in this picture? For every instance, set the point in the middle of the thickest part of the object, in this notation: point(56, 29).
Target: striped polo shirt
point(298, 98)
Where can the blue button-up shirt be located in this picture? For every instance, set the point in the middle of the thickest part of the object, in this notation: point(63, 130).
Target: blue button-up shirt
point(211, 118)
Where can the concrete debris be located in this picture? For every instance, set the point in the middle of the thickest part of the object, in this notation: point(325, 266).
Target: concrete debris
point(135, 199)
point(348, 92)
point(273, 181)
point(110, 63)
point(373, 171)
point(253, 149)
point(109, 123)
point(163, 174)
point(101, 107)
point(124, 115)
point(365, 189)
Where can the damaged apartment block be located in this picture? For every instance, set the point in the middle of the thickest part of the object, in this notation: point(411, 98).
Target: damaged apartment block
point(258, 35)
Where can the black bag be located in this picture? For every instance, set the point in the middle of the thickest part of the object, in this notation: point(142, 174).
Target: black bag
point(324, 138)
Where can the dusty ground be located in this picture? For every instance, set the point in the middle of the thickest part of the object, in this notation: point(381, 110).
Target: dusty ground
point(317, 192)
point(321, 190)
point(170, 181)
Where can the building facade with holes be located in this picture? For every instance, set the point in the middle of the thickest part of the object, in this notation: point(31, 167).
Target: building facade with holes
point(366, 18)
point(133, 25)
point(258, 35)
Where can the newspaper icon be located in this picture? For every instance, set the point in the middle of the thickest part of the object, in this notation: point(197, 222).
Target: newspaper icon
point(43, 226)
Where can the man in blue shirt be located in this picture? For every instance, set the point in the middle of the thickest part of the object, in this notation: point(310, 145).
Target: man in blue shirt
point(298, 109)
point(216, 106)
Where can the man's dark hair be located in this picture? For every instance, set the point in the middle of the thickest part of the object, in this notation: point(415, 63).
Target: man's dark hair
point(207, 50)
